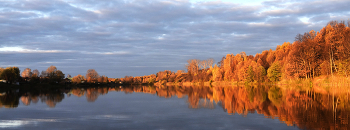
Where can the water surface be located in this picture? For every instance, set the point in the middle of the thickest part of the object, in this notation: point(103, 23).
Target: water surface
point(149, 107)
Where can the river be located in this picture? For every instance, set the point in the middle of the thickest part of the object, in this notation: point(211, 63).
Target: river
point(173, 107)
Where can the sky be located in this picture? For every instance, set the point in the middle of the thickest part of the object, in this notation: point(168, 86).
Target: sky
point(141, 37)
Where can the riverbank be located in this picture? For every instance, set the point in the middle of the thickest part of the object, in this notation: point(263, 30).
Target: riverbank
point(323, 84)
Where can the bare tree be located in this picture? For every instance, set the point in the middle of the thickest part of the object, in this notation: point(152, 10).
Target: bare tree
point(192, 66)
point(204, 64)
point(35, 73)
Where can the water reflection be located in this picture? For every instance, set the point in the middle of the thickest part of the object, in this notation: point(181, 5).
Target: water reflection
point(305, 109)
point(10, 99)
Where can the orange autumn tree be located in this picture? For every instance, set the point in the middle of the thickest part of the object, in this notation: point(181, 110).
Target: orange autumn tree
point(91, 76)
point(320, 53)
point(78, 79)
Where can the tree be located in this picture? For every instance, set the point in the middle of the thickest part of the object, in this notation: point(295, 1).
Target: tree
point(58, 76)
point(274, 72)
point(43, 74)
point(204, 64)
point(229, 67)
point(35, 73)
point(250, 75)
point(35, 76)
point(27, 73)
point(217, 75)
point(102, 79)
point(1, 70)
point(51, 72)
point(51, 69)
point(10, 74)
point(336, 38)
point(53, 75)
point(78, 79)
point(69, 76)
point(91, 76)
point(260, 74)
point(270, 57)
point(192, 66)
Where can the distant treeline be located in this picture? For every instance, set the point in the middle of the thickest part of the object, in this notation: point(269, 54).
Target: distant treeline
point(52, 75)
point(312, 54)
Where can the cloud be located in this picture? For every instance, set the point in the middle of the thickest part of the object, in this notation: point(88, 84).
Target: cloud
point(21, 50)
point(141, 37)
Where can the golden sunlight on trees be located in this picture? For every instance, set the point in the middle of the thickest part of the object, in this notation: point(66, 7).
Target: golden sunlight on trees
point(192, 66)
point(229, 66)
point(260, 74)
point(51, 69)
point(204, 64)
point(217, 73)
point(91, 76)
point(274, 72)
point(27, 73)
point(312, 54)
point(78, 79)
point(250, 75)
point(102, 79)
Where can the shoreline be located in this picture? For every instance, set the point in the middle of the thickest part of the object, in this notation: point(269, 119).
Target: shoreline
point(324, 85)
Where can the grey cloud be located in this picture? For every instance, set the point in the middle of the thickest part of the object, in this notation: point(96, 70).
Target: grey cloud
point(320, 18)
point(309, 8)
point(139, 37)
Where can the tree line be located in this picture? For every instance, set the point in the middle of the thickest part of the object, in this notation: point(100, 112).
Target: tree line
point(312, 54)
point(51, 75)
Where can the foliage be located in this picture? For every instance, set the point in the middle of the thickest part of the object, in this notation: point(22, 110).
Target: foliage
point(78, 79)
point(10, 74)
point(54, 75)
point(91, 76)
point(27, 73)
point(274, 72)
point(250, 73)
point(102, 79)
point(151, 80)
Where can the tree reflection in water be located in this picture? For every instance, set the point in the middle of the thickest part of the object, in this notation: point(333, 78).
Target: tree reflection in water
point(306, 109)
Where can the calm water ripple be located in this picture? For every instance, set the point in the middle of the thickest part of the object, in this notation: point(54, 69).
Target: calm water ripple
point(150, 107)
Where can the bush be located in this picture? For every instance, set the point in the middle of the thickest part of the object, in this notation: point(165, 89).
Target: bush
point(274, 72)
